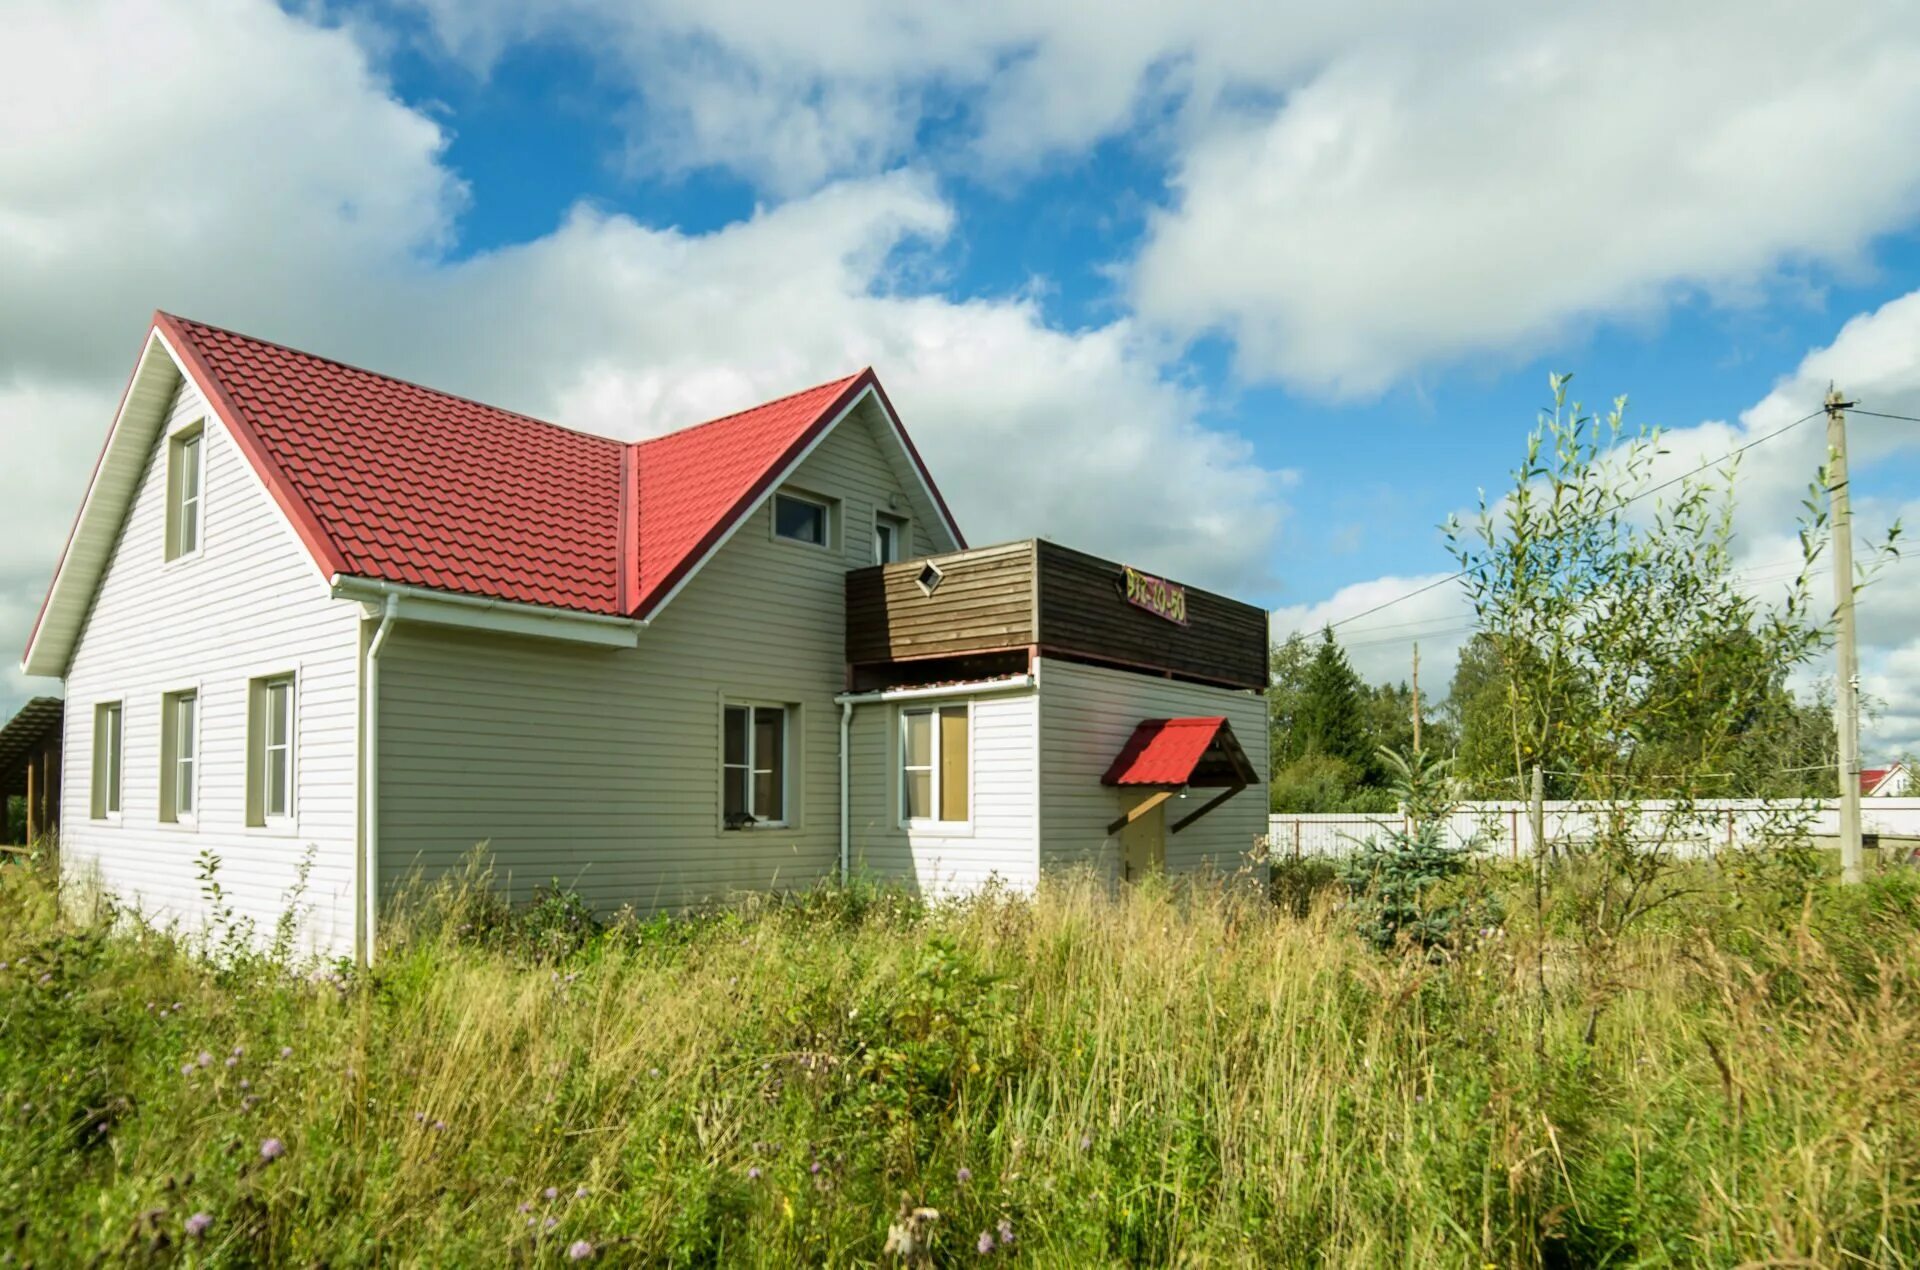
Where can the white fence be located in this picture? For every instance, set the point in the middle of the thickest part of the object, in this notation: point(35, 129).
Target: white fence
point(1505, 828)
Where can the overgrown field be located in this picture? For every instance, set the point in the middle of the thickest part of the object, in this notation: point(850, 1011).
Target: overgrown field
point(1179, 1075)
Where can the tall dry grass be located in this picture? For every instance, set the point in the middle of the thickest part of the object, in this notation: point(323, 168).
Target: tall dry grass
point(1176, 1075)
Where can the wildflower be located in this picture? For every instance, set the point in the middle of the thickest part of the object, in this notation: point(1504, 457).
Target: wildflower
point(552, 1192)
point(814, 1168)
point(1006, 1232)
point(579, 1192)
point(985, 1244)
point(1086, 1142)
point(753, 1174)
point(419, 1117)
point(197, 1224)
point(186, 1069)
point(205, 1059)
point(286, 1051)
point(232, 1061)
point(272, 1149)
point(526, 1205)
point(439, 1126)
point(238, 1050)
point(550, 1223)
point(580, 1250)
point(101, 1127)
point(653, 1071)
point(176, 1007)
point(247, 1103)
point(963, 1175)
point(245, 1083)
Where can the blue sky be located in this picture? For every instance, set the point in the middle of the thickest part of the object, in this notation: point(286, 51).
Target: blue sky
point(1255, 299)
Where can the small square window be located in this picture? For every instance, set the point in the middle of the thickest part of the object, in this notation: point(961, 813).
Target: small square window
point(799, 519)
point(929, 579)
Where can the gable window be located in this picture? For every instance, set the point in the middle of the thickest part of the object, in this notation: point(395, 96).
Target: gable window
point(889, 538)
point(753, 766)
point(270, 750)
point(108, 736)
point(800, 519)
point(934, 760)
point(179, 755)
point(186, 479)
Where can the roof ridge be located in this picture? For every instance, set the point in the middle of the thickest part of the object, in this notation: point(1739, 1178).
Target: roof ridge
point(774, 401)
point(396, 379)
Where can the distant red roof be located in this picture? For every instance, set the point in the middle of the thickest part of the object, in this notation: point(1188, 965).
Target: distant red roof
point(388, 480)
point(1170, 752)
point(1870, 778)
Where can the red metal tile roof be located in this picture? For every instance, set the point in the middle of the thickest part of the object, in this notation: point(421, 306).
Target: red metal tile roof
point(1163, 751)
point(388, 480)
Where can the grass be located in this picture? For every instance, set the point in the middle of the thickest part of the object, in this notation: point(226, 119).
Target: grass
point(1178, 1075)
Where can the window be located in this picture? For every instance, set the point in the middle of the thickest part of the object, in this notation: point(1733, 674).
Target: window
point(270, 750)
point(933, 764)
point(179, 754)
point(185, 480)
point(107, 739)
point(799, 519)
point(889, 538)
point(753, 766)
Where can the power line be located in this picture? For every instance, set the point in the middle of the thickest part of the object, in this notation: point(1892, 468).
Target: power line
point(1651, 490)
point(1881, 415)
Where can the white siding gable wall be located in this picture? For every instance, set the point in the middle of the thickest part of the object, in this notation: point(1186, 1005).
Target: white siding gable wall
point(601, 767)
point(1086, 715)
point(250, 603)
point(1002, 840)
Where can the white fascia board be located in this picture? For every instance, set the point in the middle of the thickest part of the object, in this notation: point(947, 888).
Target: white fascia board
point(976, 688)
point(504, 617)
point(110, 492)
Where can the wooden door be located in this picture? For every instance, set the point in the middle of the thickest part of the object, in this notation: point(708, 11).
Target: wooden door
point(1143, 844)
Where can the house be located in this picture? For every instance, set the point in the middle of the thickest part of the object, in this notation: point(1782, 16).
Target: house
point(330, 628)
point(1885, 782)
point(30, 772)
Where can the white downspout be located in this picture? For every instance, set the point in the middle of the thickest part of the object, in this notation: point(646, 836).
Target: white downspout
point(370, 777)
point(846, 790)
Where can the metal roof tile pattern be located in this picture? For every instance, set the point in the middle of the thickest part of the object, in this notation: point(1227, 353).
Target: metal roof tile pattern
point(389, 480)
point(1163, 751)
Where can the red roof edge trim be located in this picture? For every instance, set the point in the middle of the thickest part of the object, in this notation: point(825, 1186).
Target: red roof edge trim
point(723, 526)
point(913, 452)
point(92, 480)
point(332, 563)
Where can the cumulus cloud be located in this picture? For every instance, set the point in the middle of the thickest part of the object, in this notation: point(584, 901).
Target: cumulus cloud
point(271, 182)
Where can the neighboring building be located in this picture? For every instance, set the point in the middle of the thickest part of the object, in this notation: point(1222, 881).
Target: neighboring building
point(30, 772)
point(312, 613)
point(1885, 782)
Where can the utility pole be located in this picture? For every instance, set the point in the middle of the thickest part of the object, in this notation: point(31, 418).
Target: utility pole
point(1416, 697)
point(1846, 694)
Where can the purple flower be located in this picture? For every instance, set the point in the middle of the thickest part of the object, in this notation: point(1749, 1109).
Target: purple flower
point(186, 1069)
point(550, 1223)
point(552, 1192)
point(1086, 1142)
point(526, 1205)
point(245, 1083)
point(272, 1149)
point(579, 1192)
point(580, 1250)
point(1006, 1232)
point(439, 1126)
point(101, 1127)
point(814, 1167)
point(753, 1174)
point(238, 1050)
point(985, 1244)
point(286, 1051)
point(963, 1174)
point(419, 1117)
point(232, 1061)
point(197, 1224)
point(205, 1059)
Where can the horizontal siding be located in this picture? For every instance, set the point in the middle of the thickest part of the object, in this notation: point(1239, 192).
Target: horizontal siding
point(601, 767)
point(984, 601)
point(1002, 840)
point(252, 603)
point(1086, 715)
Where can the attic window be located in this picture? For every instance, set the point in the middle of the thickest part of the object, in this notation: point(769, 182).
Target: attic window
point(929, 579)
point(799, 519)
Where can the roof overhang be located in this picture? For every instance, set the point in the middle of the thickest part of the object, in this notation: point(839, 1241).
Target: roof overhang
point(110, 490)
point(29, 730)
point(500, 617)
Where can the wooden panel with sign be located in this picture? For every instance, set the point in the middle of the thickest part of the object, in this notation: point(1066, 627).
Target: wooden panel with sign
point(1066, 603)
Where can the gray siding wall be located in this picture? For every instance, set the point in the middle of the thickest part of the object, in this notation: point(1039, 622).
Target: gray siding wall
point(601, 767)
point(1086, 715)
point(251, 604)
point(1003, 839)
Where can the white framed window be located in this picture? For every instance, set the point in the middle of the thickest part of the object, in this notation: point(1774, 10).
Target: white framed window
point(272, 745)
point(754, 763)
point(109, 742)
point(179, 756)
point(797, 518)
point(936, 752)
point(186, 487)
point(889, 538)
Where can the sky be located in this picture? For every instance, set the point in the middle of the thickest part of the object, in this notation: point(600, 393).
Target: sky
point(1253, 296)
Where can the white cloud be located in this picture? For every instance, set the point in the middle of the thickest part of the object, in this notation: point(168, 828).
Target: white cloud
point(1437, 616)
point(1428, 199)
point(270, 182)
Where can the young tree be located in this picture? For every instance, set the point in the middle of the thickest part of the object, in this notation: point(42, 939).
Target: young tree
point(1332, 721)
